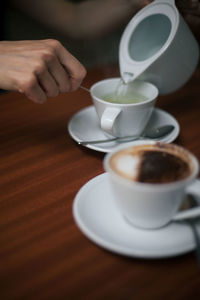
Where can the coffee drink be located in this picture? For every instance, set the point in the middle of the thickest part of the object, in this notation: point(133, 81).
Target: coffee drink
point(150, 181)
point(152, 163)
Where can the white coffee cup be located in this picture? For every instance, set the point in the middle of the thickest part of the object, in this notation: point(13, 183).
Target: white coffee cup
point(122, 119)
point(151, 205)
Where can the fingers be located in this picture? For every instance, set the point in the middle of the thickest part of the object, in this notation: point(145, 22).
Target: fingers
point(36, 94)
point(36, 82)
point(48, 84)
point(29, 86)
point(41, 80)
point(40, 69)
point(74, 69)
point(60, 75)
point(59, 71)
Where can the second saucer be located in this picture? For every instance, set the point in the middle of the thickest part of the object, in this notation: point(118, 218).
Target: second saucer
point(84, 125)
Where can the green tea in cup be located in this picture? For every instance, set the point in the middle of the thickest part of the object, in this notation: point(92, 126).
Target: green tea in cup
point(127, 98)
point(124, 94)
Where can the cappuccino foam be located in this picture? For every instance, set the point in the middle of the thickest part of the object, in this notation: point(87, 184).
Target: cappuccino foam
point(157, 163)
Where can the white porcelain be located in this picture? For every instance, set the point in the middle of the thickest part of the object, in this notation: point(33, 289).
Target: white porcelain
point(96, 214)
point(159, 47)
point(120, 119)
point(151, 206)
point(84, 125)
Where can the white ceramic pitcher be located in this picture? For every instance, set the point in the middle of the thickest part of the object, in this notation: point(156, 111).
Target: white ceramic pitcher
point(158, 46)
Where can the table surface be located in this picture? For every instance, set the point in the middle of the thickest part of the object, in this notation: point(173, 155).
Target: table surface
point(43, 254)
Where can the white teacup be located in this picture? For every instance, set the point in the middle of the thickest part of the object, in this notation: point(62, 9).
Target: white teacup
point(122, 119)
point(150, 181)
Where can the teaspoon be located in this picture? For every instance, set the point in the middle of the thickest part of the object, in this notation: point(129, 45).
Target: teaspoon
point(149, 133)
point(84, 88)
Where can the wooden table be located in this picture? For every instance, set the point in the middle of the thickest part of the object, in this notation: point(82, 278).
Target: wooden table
point(43, 254)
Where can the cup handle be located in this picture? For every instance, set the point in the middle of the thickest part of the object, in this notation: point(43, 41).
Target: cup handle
point(108, 119)
point(194, 190)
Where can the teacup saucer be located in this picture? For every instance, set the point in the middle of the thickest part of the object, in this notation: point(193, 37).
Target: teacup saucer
point(84, 125)
point(100, 220)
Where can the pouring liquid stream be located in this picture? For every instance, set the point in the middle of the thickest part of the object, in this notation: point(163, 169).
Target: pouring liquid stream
point(124, 94)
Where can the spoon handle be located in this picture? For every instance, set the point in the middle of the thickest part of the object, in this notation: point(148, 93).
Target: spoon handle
point(123, 139)
point(84, 88)
point(97, 141)
point(152, 134)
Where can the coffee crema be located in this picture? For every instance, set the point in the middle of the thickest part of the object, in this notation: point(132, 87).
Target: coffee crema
point(157, 163)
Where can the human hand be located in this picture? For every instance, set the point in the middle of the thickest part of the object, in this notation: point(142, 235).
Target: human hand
point(39, 69)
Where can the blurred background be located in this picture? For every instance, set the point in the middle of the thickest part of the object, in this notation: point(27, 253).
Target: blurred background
point(94, 45)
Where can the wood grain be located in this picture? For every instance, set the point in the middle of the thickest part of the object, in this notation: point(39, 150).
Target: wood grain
point(43, 255)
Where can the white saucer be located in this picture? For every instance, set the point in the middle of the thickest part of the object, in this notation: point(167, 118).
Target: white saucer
point(84, 125)
point(100, 220)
